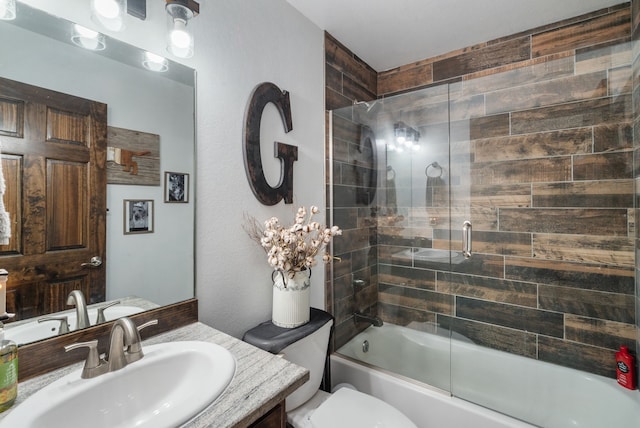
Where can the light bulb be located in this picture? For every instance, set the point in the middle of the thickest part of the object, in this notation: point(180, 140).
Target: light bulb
point(108, 8)
point(155, 62)
point(180, 38)
point(86, 32)
point(87, 38)
point(109, 13)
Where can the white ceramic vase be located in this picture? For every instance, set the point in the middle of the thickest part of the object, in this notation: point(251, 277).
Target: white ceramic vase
point(291, 298)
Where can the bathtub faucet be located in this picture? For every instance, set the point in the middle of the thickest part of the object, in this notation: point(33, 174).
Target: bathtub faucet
point(360, 317)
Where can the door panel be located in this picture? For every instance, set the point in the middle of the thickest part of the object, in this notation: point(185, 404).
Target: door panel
point(66, 127)
point(66, 205)
point(53, 158)
point(11, 168)
point(11, 117)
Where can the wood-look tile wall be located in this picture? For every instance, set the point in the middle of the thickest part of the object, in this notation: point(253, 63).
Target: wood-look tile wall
point(606, 26)
point(635, 25)
point(347, 77)
point(354, 287)
point(544, 120)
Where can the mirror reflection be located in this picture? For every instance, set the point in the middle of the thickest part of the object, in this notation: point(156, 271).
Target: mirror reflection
point(88, 140)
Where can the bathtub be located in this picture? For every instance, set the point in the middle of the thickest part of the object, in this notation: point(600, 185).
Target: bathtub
point(410, 370)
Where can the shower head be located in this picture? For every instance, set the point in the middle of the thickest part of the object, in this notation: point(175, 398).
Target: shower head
point(368, 104)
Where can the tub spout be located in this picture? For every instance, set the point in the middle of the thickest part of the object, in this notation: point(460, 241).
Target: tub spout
point(373, 320)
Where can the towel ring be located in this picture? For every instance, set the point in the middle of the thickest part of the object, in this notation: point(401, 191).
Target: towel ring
point(434, 165)
point(391, 173)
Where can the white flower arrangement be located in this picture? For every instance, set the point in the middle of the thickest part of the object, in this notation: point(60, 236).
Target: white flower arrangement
point(293, 249)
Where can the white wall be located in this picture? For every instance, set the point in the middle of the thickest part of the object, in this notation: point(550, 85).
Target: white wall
point(240, 44)
point(250, 42)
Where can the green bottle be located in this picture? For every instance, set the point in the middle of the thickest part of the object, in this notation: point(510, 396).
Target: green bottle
point(8, 371)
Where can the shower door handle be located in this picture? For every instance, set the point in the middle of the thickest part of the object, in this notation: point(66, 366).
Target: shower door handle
point(466, 239)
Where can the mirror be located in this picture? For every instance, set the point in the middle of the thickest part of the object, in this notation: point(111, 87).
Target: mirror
point(154, 268)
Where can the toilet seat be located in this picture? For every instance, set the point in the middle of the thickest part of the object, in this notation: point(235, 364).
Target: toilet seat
point(347, 408)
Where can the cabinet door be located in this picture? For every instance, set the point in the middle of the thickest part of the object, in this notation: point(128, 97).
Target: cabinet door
point(275, 418)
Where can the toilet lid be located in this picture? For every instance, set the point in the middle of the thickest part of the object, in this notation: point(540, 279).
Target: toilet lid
point(347, 408)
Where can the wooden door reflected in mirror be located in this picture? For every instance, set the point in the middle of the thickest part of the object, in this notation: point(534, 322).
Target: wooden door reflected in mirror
point(53, 155)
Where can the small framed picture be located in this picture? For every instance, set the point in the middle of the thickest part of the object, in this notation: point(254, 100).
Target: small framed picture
point(138, 216)
point(176, 187)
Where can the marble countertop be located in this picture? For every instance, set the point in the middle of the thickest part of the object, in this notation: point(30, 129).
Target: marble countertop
point(261, 380)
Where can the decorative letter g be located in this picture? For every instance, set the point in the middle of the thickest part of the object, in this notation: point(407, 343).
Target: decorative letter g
point(262, 95)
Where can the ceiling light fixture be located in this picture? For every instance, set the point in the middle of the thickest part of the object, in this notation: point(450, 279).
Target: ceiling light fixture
point(109, 13)
point(88, 39)
point(7, 10)
point(179, 35)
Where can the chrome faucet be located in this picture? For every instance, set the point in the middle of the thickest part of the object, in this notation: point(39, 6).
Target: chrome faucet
point(373, 320)
point(64, 323)
point(76, 298)
point(123, 334)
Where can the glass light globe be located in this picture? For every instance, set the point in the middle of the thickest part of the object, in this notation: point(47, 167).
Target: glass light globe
point(108, 8)
point(7, 10)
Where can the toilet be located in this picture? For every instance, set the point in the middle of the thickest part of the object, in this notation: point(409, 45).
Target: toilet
point(308, 406)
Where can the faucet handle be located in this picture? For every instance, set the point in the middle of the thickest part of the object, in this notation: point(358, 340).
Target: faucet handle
point(64, 323)
point(101, 309)
point(147, 324)
point(134, 351)
point(93, 365)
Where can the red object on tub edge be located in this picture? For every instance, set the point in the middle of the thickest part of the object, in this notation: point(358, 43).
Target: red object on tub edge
point(625, 368)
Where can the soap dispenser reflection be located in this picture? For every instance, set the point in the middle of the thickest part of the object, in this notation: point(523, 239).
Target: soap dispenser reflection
point(8, 354)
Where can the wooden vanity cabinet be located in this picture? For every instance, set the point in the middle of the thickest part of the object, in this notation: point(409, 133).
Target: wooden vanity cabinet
point(275, 418)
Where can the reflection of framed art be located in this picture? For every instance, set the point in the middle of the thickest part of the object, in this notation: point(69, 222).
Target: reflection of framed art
point(176, 187)
point(138, 216)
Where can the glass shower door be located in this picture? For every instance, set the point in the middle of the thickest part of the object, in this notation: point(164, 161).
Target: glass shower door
point(533, 165)
point(396, 248)
point(542, 166)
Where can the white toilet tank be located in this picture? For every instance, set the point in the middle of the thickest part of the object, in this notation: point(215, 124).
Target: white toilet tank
point(305, 346)
point(309, 352)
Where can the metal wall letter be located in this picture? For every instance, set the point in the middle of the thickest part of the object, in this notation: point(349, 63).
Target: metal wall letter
point(262, 95)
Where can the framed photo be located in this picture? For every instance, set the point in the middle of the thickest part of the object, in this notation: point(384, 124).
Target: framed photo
point(138, 216)
point(176, 187)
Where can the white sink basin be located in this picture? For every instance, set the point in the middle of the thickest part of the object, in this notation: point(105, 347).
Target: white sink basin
point(174, 382)
point(33, 330)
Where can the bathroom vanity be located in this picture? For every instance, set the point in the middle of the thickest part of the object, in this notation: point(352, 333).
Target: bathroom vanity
point(254, 398)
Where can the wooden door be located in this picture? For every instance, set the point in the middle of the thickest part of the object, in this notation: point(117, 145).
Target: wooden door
point(53, 160)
